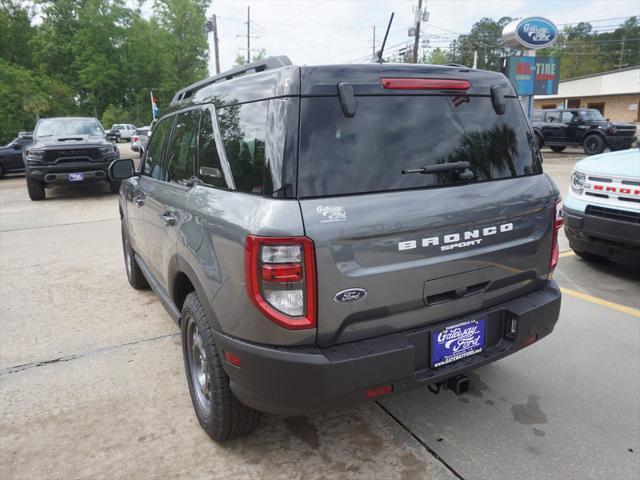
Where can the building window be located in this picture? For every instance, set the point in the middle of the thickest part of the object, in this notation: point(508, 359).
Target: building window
point(573, 103)
point(597, 106)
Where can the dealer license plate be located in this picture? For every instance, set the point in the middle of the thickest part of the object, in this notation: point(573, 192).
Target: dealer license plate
point(76, 177)
point(456, 342)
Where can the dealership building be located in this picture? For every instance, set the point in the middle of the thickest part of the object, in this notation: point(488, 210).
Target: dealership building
point(616, 94)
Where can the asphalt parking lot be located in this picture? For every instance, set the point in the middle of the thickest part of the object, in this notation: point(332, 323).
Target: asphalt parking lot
point(92, 382)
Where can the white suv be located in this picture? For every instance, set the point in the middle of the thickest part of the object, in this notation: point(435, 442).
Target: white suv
point(602, 209)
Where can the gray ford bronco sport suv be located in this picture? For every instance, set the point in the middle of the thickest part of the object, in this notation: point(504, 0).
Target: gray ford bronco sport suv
point(325, 235)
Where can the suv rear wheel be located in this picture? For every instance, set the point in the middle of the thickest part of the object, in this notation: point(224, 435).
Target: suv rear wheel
point(35, 189)
point(219, 412)
point(134, 274)
point(593, 144)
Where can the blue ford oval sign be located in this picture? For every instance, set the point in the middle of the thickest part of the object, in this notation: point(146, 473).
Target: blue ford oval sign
point(350, 295)
point(536, 32)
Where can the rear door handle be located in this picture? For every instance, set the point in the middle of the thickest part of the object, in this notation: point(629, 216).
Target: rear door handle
point(169, 219)
point(139, 200)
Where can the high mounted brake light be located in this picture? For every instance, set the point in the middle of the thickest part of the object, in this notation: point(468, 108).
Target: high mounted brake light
point(424, 84)
point(280, 276)
point(558, 222)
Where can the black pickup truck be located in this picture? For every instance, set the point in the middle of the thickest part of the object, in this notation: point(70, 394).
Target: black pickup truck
point(586, 127)
point(68, 150)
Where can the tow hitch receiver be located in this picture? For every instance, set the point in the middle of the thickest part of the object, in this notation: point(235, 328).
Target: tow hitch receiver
point(458, 385)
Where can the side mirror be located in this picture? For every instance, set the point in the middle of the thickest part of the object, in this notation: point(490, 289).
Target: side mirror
point(122, 169)
point(17, 146)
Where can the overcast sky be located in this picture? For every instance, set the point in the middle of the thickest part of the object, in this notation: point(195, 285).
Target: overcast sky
point(341, 31)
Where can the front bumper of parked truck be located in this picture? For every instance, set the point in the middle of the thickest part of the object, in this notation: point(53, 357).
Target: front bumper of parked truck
point(603, 231)
point(60, 174)
point(301, 380)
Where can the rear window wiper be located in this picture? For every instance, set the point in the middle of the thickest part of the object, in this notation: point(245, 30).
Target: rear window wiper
point(438, 168)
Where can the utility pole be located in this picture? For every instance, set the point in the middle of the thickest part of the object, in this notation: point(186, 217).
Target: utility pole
point(416, 41)
point(211, 25)
point(248, 34)
point(622, 65)
point(215, 44)
point(374, 41)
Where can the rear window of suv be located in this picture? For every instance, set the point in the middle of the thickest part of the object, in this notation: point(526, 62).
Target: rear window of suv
point(388, 134)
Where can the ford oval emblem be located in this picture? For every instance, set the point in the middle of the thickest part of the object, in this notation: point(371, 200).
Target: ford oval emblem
point(350, 295)
point(536, 32)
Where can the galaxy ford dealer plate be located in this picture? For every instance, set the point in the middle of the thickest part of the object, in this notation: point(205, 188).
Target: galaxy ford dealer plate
point(458, 341)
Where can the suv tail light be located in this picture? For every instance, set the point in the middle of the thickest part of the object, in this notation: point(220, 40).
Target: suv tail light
point(558, 222)
point(280, 275)
point(424, 84)
point(136, 138)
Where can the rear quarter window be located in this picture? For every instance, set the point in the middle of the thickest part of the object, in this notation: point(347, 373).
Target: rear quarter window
point(243, 130)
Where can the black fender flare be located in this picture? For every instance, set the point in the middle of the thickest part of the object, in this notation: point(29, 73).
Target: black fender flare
point(591, 132)
point(538, 133)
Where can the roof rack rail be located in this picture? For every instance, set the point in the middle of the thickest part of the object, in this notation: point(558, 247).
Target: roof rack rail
point(255, 67)
point(455, 65)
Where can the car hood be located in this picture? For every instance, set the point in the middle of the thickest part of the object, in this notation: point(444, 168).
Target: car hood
point(624, 163)
point(69, 141)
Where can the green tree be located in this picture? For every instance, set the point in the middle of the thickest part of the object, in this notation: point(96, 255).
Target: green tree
point(486, 39)
point(16, 32)
point(240, 60)
point(437, 56)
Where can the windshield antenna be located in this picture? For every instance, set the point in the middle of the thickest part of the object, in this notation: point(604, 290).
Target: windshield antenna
point(385, 38)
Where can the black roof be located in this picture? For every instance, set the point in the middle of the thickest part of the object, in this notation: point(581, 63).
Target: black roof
point(276, 77)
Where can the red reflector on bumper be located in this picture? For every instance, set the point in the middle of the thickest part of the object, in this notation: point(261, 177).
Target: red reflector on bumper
point(376, 392)
point(529, 340)
point(232, 359)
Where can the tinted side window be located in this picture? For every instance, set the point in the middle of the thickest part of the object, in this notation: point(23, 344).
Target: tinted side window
point(153, 165)
point(209, 166)
point(552, 117)
point(183, 148)
point(243, 132)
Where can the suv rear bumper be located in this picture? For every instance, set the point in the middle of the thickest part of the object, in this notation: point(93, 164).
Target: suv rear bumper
point(301, 380)
point(601, 236)
point(59, 174)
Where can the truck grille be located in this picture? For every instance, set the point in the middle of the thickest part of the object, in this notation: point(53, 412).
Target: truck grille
point(613, 214)
point(71, 154)
point(625, 131)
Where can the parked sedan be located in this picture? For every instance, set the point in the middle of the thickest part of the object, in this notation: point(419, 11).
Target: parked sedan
point(11, 154)
point(140, 139)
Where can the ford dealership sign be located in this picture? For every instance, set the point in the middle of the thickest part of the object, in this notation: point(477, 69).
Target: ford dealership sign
point(531, 33)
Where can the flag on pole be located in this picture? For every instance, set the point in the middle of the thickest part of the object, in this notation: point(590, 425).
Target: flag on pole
point(154, 106)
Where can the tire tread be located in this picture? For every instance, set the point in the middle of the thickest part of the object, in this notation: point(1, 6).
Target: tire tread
point(229, 418)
